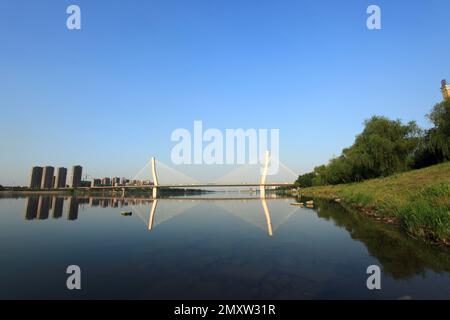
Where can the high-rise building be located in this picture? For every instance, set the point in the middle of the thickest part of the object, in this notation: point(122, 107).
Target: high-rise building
point(36, 177)
point(61, 176)
point(75, 178)
point(115, 181)
point(47, 177)
point(95, 182)
point(445, 88)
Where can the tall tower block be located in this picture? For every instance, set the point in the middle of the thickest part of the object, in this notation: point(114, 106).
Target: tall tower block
point(36, 177)
point(75, 178)
point(60, 180)
point(47, 177)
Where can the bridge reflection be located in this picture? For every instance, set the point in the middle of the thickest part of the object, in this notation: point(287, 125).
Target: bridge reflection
point(55, 207)
point(265, 209)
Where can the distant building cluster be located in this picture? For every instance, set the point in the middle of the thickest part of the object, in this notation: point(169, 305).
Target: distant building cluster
point(118, 182)
point(445, 88)
point(47, 178)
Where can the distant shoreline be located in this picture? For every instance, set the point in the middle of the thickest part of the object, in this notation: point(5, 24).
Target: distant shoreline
point(27, 192)
point(84, 192)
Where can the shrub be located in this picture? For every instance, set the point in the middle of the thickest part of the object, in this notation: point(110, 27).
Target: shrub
point(429, 214)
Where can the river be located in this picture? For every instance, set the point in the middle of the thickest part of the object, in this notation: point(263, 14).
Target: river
point(208, 247)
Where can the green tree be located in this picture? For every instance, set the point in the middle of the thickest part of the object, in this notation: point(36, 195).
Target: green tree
point(439, 136)
point(435, 144)
point(383, 148)
point(320, 178)
point(305, 180)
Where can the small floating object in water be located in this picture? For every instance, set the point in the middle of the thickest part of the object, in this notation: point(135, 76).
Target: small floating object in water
point(337, 200)
point(310, 206)
point(310, 203)
point(126, 213)
point(297, 204)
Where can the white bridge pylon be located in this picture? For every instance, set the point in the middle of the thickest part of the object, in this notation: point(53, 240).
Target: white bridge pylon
point(262, 188)
point(155, 179)
point(262, 183)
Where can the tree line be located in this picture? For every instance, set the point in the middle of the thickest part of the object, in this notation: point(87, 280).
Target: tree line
point(386, 147)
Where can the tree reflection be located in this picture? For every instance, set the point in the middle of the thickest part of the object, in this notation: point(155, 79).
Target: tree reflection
point(400, 256)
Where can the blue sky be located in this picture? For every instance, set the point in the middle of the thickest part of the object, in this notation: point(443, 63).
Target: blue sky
point(109, 95)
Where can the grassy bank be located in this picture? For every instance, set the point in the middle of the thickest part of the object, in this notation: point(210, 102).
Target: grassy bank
point(418, 200)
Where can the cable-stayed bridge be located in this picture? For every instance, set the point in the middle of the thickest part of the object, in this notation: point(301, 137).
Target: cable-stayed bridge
point(190, 183)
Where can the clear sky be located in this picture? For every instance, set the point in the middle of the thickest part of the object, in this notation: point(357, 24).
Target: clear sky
point(108, 96)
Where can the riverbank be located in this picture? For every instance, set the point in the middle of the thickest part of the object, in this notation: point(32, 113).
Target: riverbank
point(418, 200)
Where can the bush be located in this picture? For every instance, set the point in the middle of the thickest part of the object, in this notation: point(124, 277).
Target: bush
point(429, 214)
point(434, 147)
point(305, 180)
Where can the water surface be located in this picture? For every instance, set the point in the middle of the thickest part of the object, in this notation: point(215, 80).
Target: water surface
point(208, 248)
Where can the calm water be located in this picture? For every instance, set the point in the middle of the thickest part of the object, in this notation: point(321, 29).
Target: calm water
point(227, 249)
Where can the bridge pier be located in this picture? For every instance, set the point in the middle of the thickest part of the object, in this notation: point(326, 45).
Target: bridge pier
point(155, 189)
point(262, 188)
point(155, 193)
point(262, 192)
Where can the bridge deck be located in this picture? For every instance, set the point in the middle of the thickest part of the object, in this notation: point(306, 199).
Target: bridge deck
point(200, 185)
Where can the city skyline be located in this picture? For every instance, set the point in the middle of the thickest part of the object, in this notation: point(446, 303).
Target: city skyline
point(46, 177)
point(110, 95)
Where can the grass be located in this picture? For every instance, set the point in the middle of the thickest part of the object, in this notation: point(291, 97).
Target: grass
point(419, 200)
